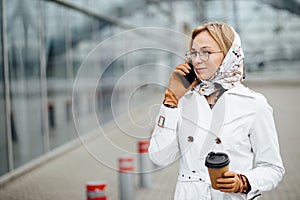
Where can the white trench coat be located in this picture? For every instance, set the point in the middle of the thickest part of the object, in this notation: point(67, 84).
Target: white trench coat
point(243, 122)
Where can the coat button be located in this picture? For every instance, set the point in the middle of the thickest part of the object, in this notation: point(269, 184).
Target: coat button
point(190, 139)
point(218, 140)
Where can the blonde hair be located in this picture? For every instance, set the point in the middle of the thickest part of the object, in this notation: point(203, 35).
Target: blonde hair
point(221, 32)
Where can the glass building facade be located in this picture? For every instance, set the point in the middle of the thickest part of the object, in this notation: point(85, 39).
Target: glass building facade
point(3, 136)
point(44, 44)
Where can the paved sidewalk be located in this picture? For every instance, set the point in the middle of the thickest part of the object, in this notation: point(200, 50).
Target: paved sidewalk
point(64, 177)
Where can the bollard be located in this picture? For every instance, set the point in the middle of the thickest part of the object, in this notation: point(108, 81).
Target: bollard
point(126, 178)
point(145, 164)
point(95, 190)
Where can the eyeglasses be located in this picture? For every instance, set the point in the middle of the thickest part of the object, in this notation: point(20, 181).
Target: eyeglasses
point(203, 54)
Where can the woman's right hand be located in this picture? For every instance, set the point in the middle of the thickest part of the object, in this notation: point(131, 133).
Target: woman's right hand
point(176, 87)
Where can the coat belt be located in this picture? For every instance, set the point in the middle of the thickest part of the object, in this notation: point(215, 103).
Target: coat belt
point(186, 175)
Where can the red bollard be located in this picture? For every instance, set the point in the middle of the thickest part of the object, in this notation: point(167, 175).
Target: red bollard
point(95, 190)
point(145, 164)
point(126, 164)
point(126, 178)
point(143, 146)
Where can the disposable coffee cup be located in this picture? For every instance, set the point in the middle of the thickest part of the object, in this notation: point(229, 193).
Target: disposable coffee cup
point(217, 164)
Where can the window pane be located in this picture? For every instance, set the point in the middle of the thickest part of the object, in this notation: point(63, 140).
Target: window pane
point(24, 65)
point(59, 74)
point(3, 138)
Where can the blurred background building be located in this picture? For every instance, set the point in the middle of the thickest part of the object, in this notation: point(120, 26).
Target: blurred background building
point(44, 43)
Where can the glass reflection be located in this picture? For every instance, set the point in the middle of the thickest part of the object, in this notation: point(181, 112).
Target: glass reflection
point(23, 60)
point(58, 77)
point(3, 137)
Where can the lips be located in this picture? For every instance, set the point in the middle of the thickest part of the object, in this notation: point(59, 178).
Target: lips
point(199, 69)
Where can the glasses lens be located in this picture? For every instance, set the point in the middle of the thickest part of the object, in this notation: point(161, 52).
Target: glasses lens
point(204, 55)
point(189, 55)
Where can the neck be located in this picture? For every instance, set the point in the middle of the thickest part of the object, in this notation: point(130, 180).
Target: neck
point(212, 99)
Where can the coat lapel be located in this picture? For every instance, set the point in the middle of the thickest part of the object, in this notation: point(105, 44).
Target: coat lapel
point(194, 125)
point(216, 125)
point(239, 104)
point(203, 125)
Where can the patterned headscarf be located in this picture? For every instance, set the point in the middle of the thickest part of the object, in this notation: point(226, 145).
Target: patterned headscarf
point(230, 72)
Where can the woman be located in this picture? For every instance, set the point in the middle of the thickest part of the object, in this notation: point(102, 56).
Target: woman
point(216, 113)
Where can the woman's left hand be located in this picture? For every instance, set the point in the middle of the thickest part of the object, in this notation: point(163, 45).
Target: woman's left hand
point(230, 182)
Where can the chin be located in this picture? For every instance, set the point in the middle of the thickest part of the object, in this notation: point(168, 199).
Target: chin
point(203, 78)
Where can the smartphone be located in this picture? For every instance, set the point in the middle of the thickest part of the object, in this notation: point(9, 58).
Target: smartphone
point(189, 78)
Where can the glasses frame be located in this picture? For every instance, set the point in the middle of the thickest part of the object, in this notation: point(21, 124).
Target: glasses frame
point(200, 53)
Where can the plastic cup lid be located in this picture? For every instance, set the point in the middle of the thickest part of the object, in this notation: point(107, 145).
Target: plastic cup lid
point(216, 160)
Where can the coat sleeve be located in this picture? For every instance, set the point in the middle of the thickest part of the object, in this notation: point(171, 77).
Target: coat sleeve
point(268, 167)
point(163, 148)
